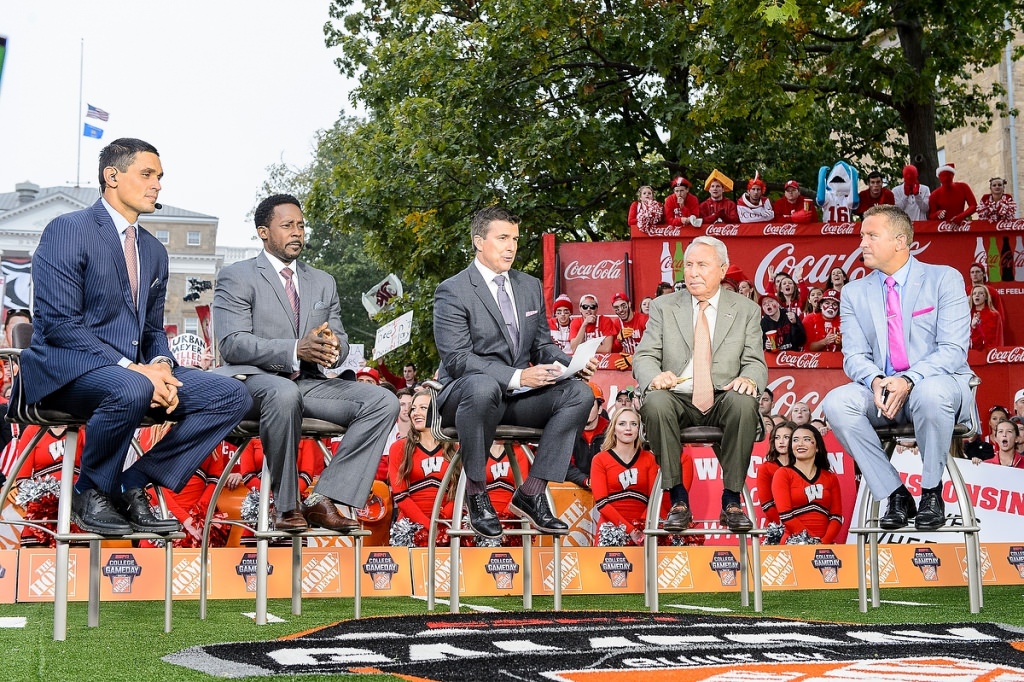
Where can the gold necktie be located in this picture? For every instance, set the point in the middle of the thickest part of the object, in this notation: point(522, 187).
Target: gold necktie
point(703, 388)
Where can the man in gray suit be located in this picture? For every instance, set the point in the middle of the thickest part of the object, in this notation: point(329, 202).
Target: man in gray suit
point(278, 324)
point(491, 331)
point(906, 329)
point(680, 390)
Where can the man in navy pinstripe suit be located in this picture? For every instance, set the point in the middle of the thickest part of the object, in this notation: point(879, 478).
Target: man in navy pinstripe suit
point(99, 349)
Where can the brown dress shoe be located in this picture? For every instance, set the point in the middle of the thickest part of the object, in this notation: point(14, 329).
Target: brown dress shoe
point(324, 514)
point(290, 522)
point(679, 518)
point(735, 520)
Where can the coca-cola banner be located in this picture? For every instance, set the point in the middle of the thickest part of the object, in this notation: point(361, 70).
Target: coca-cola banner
point(816, 248)
point(594, 268)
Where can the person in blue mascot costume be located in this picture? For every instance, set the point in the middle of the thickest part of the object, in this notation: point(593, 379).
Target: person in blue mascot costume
point(837, 192)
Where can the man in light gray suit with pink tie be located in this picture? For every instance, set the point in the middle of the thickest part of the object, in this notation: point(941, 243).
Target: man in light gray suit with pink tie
point(906, 330)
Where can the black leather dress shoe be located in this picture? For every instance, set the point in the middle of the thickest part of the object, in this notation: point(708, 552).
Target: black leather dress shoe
point(93, 511)
point(931, 514)
point(733, 518)
point(679, 518)
point(534, 508)
point(482, 517)
point(901, 510)
point(134, 505)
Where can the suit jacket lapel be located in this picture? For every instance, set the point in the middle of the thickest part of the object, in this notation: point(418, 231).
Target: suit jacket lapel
point(269, 274)
point(483, 292)
point(724, 320)
point(876, 292)
point(147, 267)
point(684, 318)
point(908, 300)
point(306, 297)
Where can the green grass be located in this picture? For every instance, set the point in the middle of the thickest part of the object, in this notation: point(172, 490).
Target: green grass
point(130, 641)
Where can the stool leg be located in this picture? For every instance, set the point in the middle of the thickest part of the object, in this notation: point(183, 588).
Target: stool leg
point(744, 570)
point(435, 515)
point(296, 576)
point(876, 588)
point(357, 599)
point(94, 583)
point(756, 544)
point(204, 551)
point(455, 544)
point(557, 543)
point(528, 571)
point(168, 586)
point(262, 547)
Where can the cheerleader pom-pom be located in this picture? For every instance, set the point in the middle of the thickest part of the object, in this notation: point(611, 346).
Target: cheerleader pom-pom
point(251, 507)
point(403, 533)
point(34, 489)
point(611, 535)
point(803, 538)
point(773, 534)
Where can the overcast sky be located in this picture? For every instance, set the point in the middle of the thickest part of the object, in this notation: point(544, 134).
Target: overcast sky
point(223, 88)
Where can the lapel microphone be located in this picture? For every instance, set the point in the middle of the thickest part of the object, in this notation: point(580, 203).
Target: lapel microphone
point(158, 206)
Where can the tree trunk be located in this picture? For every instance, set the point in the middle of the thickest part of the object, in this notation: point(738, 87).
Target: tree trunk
point(918, 116)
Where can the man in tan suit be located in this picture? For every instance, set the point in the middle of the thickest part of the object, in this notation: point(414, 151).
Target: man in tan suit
point(681, 389)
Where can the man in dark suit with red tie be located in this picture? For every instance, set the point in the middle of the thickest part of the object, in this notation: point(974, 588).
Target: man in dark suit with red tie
point(99, 349)
point(491, 331)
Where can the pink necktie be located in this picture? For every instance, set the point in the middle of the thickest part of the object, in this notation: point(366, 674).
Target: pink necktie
point(703, 386)
point(131, 261)
point(293, 296)
point(894, 320)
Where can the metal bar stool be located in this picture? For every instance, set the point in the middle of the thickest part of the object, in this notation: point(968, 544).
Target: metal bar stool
point(750, 564)
point(868, 530)
point(245, 432)
point(35, 415)
point(510, 435)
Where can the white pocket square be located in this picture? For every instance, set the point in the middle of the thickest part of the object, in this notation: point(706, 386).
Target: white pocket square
point(531, 313)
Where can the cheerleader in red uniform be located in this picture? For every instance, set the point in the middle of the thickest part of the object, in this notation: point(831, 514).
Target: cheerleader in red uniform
point(776, 458)
point(39, 477)
point(621, 476)
point(806, 491)
point(416, 466)
point(500, 486)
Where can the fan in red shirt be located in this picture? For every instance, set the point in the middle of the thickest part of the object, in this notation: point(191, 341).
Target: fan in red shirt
point(561, 323)
point(875, 194)
point(986, 322)
point(823, 328)
point(590, 325)
point(630, 328)
point(717, 208)
point(681, 206)
point(807, 493)
point(776, 458)
point(792, 207)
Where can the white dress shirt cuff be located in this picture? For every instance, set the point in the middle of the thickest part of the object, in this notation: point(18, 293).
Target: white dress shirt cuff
point(517, 381)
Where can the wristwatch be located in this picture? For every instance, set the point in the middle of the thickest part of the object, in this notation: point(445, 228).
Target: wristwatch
point(910, 382)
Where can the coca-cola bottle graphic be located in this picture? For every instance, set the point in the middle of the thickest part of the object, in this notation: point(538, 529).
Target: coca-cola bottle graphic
point(980, 257)
point(993, 261)
point(1018, 260)
point(1006, 261)
point(678, 264)
point(666, 263)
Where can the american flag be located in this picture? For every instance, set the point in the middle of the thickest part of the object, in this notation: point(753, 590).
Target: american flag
point(96, 112)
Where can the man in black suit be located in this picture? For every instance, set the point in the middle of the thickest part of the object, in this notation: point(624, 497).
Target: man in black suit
point(491, 331)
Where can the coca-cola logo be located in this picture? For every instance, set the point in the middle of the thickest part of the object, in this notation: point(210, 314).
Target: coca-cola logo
point(838, 228)
point(604, 269)
point(815, 269)
point(798, 360)
point(723, 231)
point(785, 391)
point(999, 355)
point(662, 231)
point(784, 230)
point(953, 227)
point(1010, 225)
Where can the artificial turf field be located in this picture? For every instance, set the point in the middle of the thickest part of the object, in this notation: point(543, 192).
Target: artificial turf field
point(130, 643)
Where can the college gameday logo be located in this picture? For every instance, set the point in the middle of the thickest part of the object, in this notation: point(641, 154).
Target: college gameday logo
point(725, 565)
point(617, 567)
point(246, 568)
point(503, 568)
point(381, 567)
point(1016, 558)
point(926, 560)
point(122, 569)
point(828, 564)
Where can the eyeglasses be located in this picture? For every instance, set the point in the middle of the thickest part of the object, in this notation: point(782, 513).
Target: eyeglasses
point(587, 306)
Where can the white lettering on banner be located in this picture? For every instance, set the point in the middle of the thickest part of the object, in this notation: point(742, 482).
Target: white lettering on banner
point(798, 360)
point(838, 228)
point(723, 231)
point(604, 269)
point(1010, 225)
point(815, 269)
point(994, 489)
point(706, 468)
point(953, 227)
point(996, 355)
point(784, 230)
point(663, 231)
point(782, 388)
point(838, 462)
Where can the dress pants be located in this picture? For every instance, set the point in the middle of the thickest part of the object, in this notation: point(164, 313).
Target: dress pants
point(476, 404)
point(934, 407)
point(116, 399)
point(666, 412)
point(368, 412)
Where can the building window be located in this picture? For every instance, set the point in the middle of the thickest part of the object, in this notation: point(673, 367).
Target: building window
point(191, 325)
point(193, 238)
point(163, 236)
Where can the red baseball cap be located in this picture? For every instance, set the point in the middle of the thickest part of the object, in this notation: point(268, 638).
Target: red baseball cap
point(368, 372)
point(832, 294)
point(620, 297)
point(791, 183)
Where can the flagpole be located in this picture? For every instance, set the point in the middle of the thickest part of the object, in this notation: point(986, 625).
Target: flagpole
point(81, 71)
